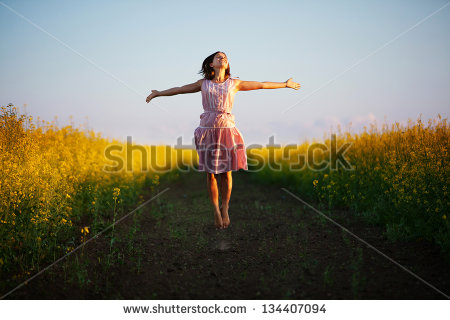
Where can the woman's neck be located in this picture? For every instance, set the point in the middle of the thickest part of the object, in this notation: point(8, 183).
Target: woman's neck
point(221, 76)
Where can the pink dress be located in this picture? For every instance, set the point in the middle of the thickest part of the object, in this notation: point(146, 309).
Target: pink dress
point(219, 143)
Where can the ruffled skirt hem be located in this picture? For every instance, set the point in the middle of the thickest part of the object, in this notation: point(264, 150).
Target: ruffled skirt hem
point(220, 149)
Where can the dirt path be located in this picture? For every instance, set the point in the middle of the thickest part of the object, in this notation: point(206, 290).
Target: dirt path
point(275, 248)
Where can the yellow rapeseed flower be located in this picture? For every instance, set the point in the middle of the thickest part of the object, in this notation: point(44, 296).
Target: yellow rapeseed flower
point(116, 193)
point(85, 230)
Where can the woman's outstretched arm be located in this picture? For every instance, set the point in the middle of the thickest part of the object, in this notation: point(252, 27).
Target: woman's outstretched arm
point(254, 85)
point(189, 88)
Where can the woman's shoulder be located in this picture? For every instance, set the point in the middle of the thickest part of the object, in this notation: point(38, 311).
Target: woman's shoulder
point(200, 82)
point(235, 80)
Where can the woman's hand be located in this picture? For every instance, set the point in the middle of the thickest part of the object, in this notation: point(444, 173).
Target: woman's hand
point(292, 84)
point(152, 95)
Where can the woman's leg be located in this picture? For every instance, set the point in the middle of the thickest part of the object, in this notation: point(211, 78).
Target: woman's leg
point(213, 192)
point(226, 183)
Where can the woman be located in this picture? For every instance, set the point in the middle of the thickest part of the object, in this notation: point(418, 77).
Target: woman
point(219, 144)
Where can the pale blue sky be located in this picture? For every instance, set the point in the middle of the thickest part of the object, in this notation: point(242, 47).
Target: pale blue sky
point(137, 46)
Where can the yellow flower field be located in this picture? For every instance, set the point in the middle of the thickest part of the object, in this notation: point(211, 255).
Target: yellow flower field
point(57, 188)
point(52, 185)
point(400, 178)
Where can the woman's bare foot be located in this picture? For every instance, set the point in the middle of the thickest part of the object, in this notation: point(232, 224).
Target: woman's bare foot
point(225, 217)
point(218, 219)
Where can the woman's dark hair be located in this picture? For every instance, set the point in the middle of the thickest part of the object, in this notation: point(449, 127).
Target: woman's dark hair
point(208, 71)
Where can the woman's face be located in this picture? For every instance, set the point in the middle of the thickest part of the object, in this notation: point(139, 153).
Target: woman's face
point(220, 61)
